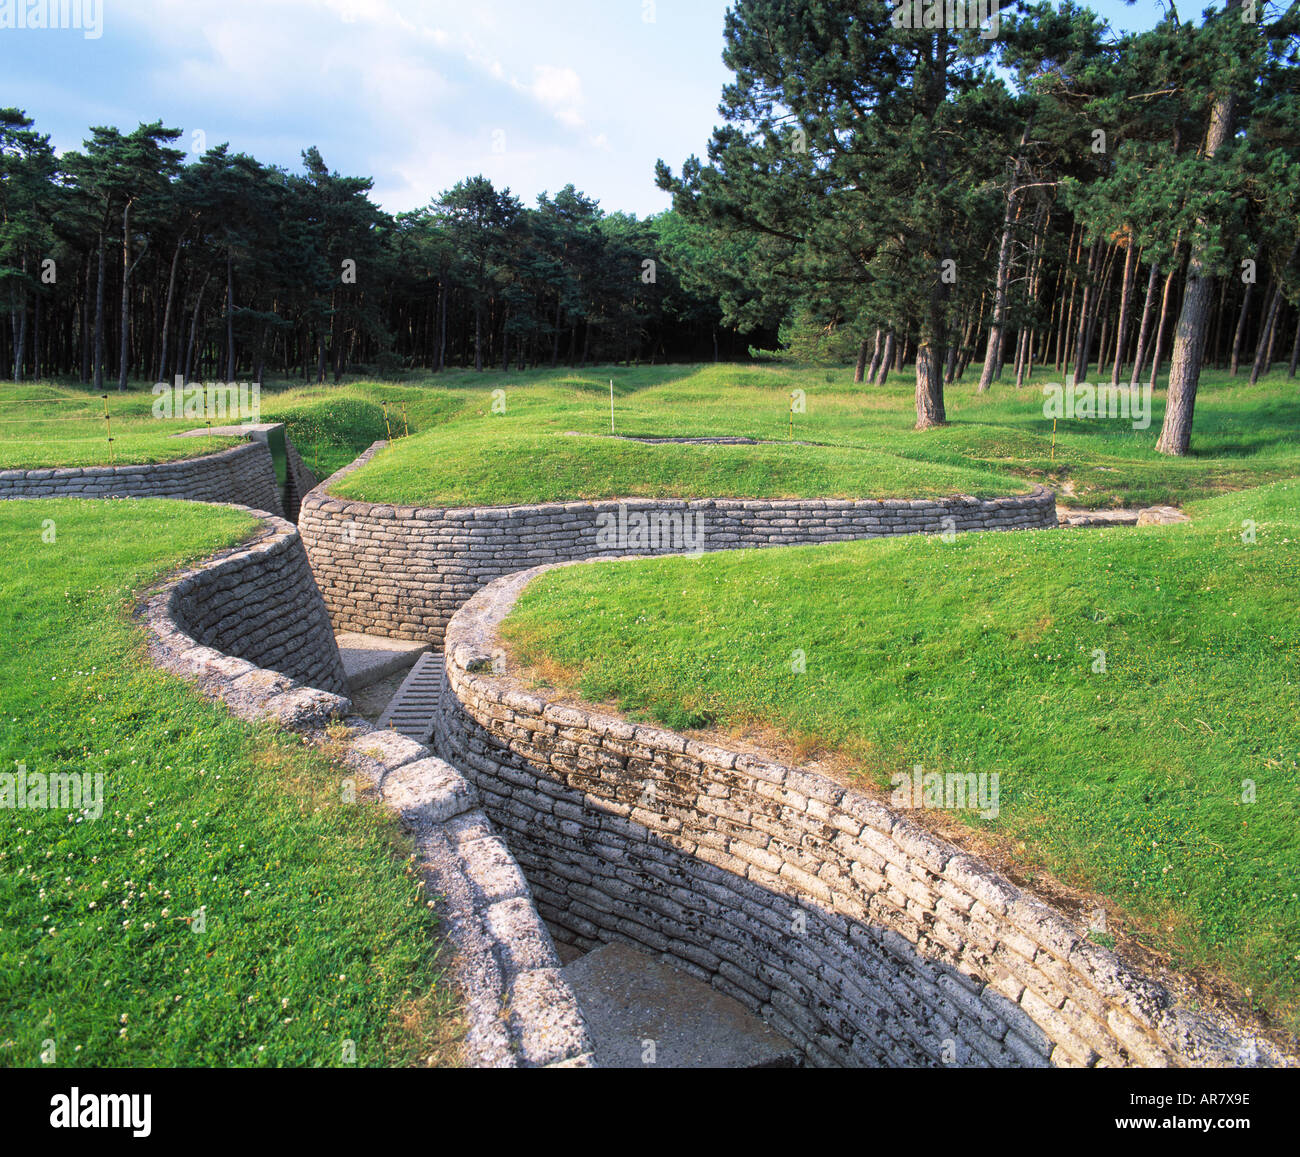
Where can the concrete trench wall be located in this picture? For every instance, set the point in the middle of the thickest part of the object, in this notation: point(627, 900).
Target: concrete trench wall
point(243, 475)
point(262, 606)
point(247, 626)
point(403, 571)
point(859, 935)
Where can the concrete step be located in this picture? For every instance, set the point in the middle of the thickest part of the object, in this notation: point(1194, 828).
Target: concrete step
point(414, 709)
point(369, 659)
point(629, 998)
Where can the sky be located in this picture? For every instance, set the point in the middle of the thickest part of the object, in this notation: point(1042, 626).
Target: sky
point(416, 94)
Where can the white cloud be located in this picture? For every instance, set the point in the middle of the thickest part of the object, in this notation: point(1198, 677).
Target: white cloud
point(559, 91)
point(411, 91)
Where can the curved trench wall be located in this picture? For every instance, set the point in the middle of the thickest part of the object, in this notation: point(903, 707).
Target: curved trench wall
point(859, 935)
point(243, 475)
point(262, 605)
point(403, 571)
point(248, 627)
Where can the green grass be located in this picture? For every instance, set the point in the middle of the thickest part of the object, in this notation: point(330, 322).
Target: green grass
point(44, 425)
point(865, 444)
point(978, 656)
point(464, 452)
point(316, 929)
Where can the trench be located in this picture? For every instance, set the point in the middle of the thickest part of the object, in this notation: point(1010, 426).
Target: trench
point(859, 937)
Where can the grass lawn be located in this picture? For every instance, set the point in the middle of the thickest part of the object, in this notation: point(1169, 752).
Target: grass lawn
point(981, 655)
point(866, 447)
point(315, 930)
point(463, 452)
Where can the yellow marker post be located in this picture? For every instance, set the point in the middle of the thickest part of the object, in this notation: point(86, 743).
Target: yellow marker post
point(387, 428)
point(1053, 439)
point(406, 425)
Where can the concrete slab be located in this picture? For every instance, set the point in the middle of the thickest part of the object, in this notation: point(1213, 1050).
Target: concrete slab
point(1148, 516)
point(367, 659)
point(255, 430)
point(629, 998)
point(371, 702)
point(1161, 516)
point(1081, 518)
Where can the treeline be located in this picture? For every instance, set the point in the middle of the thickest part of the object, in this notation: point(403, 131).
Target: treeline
point(121, 261)
point(890, 190)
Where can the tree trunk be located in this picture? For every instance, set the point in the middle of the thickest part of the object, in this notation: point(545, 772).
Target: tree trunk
point(1144, 330)
point(1067, 315)
point(36, 338)
point(85, 321)
point(1022, 356)
point(167, 312)
point(188, 367)
point(442, 327)
point(993, 352)
point(875, 358)
point(1235, 364)
point(19, 318)
point(931, 350)
point(1189, 337)
point(1125, 309)
point(1100, 306)
point(1295, 348)
point(861, 368)
point(886, 359)
point(99, 317)
point(1086, 310)
point(230, 315)
point(1264, 348)
point(1165, 300)
point(125, 330)
point(1265, 343)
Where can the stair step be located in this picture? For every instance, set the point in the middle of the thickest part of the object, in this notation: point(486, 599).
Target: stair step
point(413, 710)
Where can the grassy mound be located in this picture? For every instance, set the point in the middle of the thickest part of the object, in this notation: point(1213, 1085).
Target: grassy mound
point(315, 932)
point(1133, 689)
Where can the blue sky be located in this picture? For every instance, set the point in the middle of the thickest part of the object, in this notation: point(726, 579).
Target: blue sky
point(414, 93)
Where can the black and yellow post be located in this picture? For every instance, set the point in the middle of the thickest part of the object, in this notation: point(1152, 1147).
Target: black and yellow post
point(108, 428)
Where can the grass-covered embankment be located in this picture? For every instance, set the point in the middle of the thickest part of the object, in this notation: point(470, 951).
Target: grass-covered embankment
point(315, 930)
point(501, 438)
point(864, 443)
point(1128, 778)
